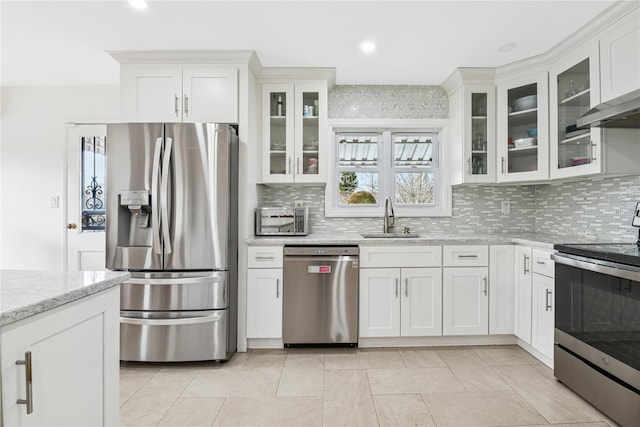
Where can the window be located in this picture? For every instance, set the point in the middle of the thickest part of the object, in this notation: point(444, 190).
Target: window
point(93, 184)
point(371, 165)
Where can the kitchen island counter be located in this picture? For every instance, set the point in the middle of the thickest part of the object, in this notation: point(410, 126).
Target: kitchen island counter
point(26, 293)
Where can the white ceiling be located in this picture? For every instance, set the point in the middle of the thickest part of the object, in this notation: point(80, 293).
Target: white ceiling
point(418, 42)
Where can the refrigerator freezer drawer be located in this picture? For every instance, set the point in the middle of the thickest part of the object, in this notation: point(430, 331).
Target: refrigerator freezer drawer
point(173, 336)
point(208, 291)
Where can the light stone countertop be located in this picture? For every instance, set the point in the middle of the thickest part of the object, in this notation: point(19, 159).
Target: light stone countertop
point(25, 293)
point(540, 240)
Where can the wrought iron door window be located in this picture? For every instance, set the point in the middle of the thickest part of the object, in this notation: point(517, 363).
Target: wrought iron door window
point(93, 183)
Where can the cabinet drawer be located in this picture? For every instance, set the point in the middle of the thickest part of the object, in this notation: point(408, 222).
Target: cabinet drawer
point(265, 256)
point(542, 263)
point(400, 256)
point(466, 256)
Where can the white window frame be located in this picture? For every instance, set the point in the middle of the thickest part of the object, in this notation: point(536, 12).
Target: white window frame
point(442, 196)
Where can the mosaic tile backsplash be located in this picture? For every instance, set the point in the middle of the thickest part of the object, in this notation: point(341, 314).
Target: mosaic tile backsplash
point(595, 207)
point(476, 209)
point(389, 102)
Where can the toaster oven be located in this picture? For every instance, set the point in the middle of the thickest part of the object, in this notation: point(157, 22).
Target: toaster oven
point(282, 221)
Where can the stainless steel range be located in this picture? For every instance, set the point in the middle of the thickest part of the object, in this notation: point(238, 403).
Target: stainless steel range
point(597, 326)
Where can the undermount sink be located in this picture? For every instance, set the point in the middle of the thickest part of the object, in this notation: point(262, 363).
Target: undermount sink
point(389, 235)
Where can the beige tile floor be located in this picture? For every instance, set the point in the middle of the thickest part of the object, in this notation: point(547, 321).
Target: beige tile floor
point(437, 386)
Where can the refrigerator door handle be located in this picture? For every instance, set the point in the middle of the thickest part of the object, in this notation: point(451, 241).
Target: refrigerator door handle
point(175, 281)
point(166, 238)
point(171, 322)
point(155, 212)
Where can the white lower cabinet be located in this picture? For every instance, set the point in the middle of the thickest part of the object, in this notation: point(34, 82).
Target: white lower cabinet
point(542, 309)
point(400, 302)
point(501, 274)
point(264, 291)
point(465, 302)
point(522, 294)
point(264, 303)
point(70, 388)
point(542, 325)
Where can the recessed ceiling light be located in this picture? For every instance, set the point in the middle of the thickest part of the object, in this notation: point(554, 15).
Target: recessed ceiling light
point(367, 46)
point(138, 4)
point(507, 47)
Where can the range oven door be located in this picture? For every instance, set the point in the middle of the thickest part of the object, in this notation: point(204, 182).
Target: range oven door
point(597, 327)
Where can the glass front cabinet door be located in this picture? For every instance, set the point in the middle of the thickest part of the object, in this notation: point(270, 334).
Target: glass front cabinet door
point(523, 144)
point(574, 89)
point(479, 133)
point(294, 130)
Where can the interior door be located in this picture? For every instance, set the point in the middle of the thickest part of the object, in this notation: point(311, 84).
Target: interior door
point(86, 193)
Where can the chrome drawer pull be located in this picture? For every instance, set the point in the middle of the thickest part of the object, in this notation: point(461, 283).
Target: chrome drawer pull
point(467, 256)
point(277, 288)
point(28, 382)
point(396, 287)
point(548, 300)
point(484, 291)
point(406, 287)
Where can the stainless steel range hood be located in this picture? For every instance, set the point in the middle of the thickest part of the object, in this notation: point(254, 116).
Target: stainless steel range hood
point(620, 112)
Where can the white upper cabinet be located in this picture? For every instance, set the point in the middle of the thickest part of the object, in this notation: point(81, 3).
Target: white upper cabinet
point(523, 129)
point(174, 93)
point(620, 57)
point(472, 114)
point(294, 132)
point(574, 88)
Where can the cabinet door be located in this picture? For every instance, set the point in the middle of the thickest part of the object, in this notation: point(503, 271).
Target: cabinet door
point(421, 302)
point(620, 57)
point(542, 315)
point(277, 133)
point(151, 93)
point(522, 294)
point(523, 130)
point(264, 303)
point(379, 302)
point(479, 133)
point(574, 88)
point(69, 388)
point(310, 117)
point(210, 95)
point(465, 302)
point(501, 274)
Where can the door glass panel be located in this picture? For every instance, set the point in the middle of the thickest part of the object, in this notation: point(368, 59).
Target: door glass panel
point(574, 99)
point(522, 129)
point(479, 133)
point(278, 134)
point(310, 132)
point(93, 183)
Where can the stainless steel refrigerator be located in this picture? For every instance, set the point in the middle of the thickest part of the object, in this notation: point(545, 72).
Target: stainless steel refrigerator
point(172, 223)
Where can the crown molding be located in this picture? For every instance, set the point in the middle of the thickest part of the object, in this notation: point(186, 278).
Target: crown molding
point(184, 56)
point(469, 76)
point(274, 74)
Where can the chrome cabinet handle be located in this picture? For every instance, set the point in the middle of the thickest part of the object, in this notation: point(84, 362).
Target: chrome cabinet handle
point(28, 372)
point(297, 165)
point(467, 256)
point(484, 291)
point(406, 287)
point(548, 300)
point(526, 258)
point(264, 258)
point(175, 104)
point(277, 288)
point(502, 164)
point(186, 105)
point(469, 165)
point(396, 287)
point(542, 262)
point(289, 170)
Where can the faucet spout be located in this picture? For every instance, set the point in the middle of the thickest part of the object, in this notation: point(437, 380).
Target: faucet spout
point(389, 217)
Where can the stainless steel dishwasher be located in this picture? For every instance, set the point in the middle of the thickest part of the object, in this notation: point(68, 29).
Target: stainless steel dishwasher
point(320, 293)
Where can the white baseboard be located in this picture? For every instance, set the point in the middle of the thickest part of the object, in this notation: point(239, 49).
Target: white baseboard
point(436, 341)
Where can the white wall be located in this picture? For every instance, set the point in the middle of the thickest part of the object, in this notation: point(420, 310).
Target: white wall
point(33, 167)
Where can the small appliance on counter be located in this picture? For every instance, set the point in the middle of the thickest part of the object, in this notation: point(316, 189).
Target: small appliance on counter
point(282, 221)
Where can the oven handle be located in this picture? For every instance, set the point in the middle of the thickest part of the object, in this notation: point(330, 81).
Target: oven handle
point(620, 270)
